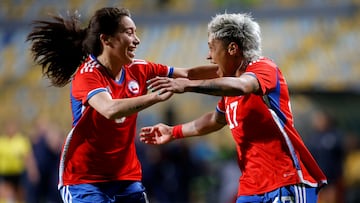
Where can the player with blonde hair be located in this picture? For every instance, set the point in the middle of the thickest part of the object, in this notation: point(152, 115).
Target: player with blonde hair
point(275, 164)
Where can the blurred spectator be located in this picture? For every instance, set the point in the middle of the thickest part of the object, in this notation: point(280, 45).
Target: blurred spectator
point(228, 171)
point(14, 150)
point(164, 173)
point(352, 168)
point(42, 177)
point(326, 144)
point(205, 173)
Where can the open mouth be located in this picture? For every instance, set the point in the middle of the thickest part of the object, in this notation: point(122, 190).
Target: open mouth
point(131, 52)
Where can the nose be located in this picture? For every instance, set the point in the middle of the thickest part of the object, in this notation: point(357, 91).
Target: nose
point(209, 56)
point(137, 40)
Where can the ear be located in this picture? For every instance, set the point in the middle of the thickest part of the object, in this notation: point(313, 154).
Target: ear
point(233, 48)
point(105, 39)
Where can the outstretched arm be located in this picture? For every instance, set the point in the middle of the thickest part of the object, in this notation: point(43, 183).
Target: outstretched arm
point(224, 86)
point(116, 108)
point(161, 133)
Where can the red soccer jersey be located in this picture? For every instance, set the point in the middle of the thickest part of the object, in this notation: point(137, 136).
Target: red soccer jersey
point(98, 149)
point(271, 153)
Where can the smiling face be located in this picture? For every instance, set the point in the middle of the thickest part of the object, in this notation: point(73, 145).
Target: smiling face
point(122, 45)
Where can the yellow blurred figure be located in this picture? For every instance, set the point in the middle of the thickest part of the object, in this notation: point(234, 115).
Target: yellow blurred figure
point(14, 150)
point(352, 169)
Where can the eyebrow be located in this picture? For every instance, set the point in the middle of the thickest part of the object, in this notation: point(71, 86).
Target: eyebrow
point(128, 28)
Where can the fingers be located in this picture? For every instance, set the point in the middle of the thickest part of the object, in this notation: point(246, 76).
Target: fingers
point(158, 83)
point(148, 140)
point(161, 91)
point(147, 135)
point(147, 131)
point(153, 80)
point(164, 95)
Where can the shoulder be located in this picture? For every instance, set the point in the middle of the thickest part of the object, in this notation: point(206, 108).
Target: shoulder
point(89, 65)
point(89, 68)
point(262, 61)
point(262, 66)
point(138, 62)
point(90, 72)
point(144, 64)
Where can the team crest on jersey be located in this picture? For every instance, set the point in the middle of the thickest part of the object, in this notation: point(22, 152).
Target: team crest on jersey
point(134, 87)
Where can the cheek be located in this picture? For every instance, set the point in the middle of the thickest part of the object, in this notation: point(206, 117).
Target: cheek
point(219, 57)
point(122, 46)
point(214, 55)
point(124, 41)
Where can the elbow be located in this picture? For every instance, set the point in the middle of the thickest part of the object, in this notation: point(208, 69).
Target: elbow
point(246, 88)
point(236, 91)
point(111, 116)
point(109, 113)
point(243, 85)
point(109, 108)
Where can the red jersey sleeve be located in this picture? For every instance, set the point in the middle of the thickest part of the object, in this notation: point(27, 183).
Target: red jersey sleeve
point(266, 73)
point(87, 82)
point(221, 106)
point(150, 69)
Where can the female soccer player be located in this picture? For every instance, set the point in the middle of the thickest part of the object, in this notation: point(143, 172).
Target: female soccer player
point(108, 89)
point(274, 162)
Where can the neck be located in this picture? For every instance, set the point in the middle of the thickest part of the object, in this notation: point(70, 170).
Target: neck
point(113, 69)
point(241, 68)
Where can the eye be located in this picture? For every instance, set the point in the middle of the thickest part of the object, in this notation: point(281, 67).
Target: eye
point(129, 32)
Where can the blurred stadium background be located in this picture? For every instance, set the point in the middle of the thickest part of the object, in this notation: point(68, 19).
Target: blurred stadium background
point(315, 43)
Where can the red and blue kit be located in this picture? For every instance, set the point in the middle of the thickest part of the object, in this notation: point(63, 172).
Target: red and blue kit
point(98, 149)
point(268, 145)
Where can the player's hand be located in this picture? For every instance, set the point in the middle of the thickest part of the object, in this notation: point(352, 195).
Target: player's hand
point(168, 84)
point(158, 134)
point(163, 94)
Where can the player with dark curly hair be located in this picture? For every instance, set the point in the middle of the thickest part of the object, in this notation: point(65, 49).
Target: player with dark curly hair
point(108, 89)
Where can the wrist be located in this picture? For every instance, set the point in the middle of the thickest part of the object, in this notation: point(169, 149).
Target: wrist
point(156, 98)
point(177, 132)
point(193, 85)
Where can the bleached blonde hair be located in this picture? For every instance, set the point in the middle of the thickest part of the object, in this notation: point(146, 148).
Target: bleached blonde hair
point(239, 28)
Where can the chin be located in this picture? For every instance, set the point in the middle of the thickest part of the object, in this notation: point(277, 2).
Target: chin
point(130, 60)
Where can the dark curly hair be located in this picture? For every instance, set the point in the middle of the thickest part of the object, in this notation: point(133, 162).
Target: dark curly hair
point(60, 45)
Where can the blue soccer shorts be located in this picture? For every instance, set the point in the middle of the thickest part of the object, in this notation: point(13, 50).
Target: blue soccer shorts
point(289, 194)
point(107, 192)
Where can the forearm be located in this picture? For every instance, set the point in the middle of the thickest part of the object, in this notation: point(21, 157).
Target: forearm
point(197, 72)
point(201, 126)
point(203, 72)
point(225, 86)
point(217, 87)
point(161, 133)
point(128, 106)
point(118, 108)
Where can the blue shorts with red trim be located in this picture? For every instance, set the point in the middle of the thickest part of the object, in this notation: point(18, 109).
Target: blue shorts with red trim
point(288, 194)
point(107, 192)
